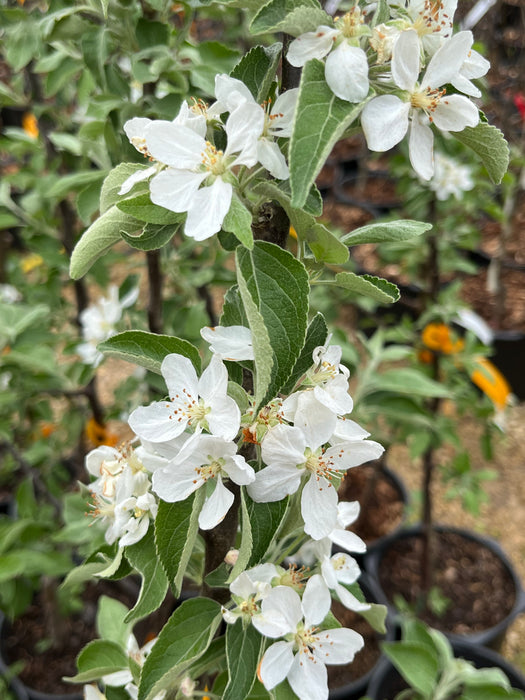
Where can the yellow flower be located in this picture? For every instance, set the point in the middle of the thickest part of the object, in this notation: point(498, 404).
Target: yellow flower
point(491, 382)
point(30, 125)
point(293, 232)
point(437, 337)
point(31, 262)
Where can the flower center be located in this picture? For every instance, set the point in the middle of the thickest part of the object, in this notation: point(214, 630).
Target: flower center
point(210, 470)
point(213, 160)
point(432, 19)
point(427, 99)
point(350, 24)
point(321, 466)
point(306, 640)
point(199, 107)
point(194, 411)
point(140, 144)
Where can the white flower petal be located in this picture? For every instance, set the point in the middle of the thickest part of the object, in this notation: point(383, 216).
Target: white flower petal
point(174, 144)
point(385, 122)
point(348, 540)
point(173, 485)
point(319, 507)
point(208, 208)
point(283, 112)
point(349, 600)
point(420, 148)
point(311, 45)
point(275, 664)
point(405, 60)
point(175, 189)
point(308, 678)
point(243, 128)
point(283, 445)
point(230, 92)
point(346, 455)
point(342, 645)
point(231, 342)
point(180, 376)
point(138, 176)
point(454, 113)
point(283, 606)
point(153, 422)
point(135, 128)
point(214, 379)
point(216, 506)
point(239, 471)
point(316, 600)
point(346, 72)
point(224, 418)
point(274, 484)
point(446, 63)
point(269, 155)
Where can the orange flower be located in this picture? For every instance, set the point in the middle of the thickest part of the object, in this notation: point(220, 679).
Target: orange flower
point(491, 382)
point(293, 232)
point(425, 356)
point(46, 429)
point(437, 337)
point(30, 125)
point(99, 434)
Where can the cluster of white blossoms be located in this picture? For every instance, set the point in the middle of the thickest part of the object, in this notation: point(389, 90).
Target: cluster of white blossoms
point(197, 438)
point(406, 62)
point(191, 174)
point(451, 178)
point(121, 491)
point(99, 322)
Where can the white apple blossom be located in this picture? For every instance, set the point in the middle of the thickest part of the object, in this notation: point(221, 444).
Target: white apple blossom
point(292, 453)
point(204, 458)
point(9, 294)
point(432, 20)
point(231, 342)
point(278, 120)
point(346, 68)
point(387, 118)
point(338, 569)
point(302, 659)
point(347, 514)
point(450, 178)
point(248, 590)
point(326, 396)
point(198, 179)
point(99, 322)
point(199, 403)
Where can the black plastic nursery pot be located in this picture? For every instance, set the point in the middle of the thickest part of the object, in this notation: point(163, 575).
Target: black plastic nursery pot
point(509, 354)
point(19, 689)
point(472, 574)
point(355, 688)
point(386, 682)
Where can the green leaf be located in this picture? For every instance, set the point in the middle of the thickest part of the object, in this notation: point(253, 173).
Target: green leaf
point(490, 145)
point(324, 244)
point(99, 238)
point(266, 520)
point(238, 221)
point(99, 658)
point(153, 237)
point(176, 528)
point(401, 230)
point(95, 47)
point(274, 289)
point(374, 287)
point(71, 183)
point(490, 692)
point(243, 649)
point(110, 621)
point(142, 208)
point(316, 335)
point(417, 664)
point(109, 194)
point(245, 548)
point(320, 120)
point(185, 637)
point(290, 16)
point(376, 617)
point(143, 557)
point(409, 381)
point(257, 69)
point(148, 349)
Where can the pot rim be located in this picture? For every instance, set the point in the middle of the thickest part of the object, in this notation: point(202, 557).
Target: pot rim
point(372, 562)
